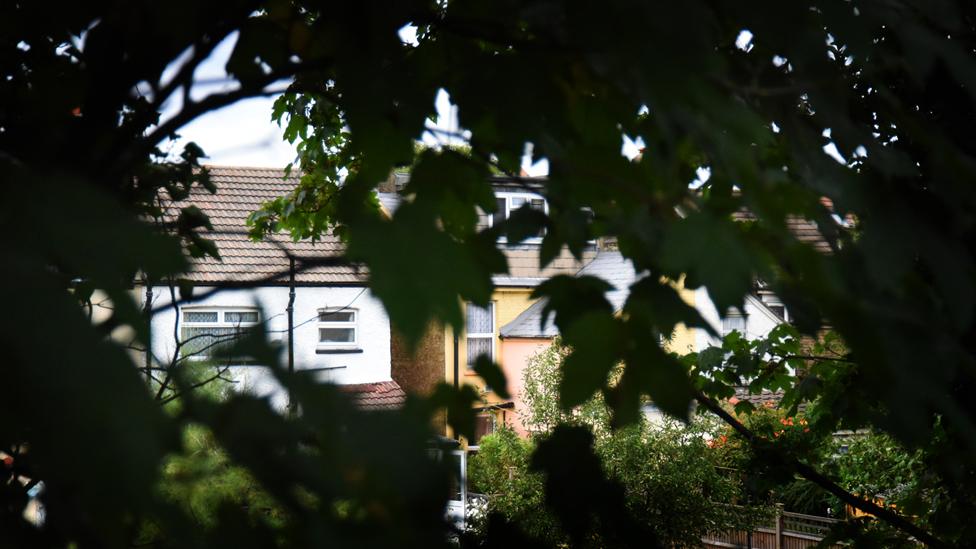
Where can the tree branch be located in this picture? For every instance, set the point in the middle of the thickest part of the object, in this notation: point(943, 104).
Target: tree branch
point(824, 482)
point(197, 385)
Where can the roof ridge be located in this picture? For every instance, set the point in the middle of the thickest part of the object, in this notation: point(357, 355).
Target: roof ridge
point(248, 168)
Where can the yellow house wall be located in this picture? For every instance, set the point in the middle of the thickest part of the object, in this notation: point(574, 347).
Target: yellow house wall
point(683, 339)
point(509, 303)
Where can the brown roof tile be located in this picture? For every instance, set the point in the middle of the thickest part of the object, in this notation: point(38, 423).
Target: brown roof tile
point(241, 191)
point(385, 395)
point(764, 398)
point(803, 229)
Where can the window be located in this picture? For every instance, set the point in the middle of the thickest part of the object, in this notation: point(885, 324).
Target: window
point(775, 304)
point(734, 321)
point(506, 203)
point(484, 424)
point(205, 331)
point(480, 327)
point(338, 327)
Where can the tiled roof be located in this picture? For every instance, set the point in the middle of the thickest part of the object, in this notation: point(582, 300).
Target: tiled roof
point(385, 395)
point(610, 265)
point(241, 191)
point(803, 229)
point(765, 398)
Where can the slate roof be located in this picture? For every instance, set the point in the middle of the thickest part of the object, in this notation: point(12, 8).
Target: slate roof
point(609, 265)
point(385, 395)
point(390, 201)
point(241, 191)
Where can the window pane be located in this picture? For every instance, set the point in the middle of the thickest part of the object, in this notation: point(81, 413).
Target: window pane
point(337, 316)
point(538, 204)
point(733, 323)
point(517, 202)
point(203, 342)
point(483, 425)
point(479, 319)
point(478, 346)
point(199, 316)
point(337, 335)
point(500, 213)
point(238, 317)
point(483, 220)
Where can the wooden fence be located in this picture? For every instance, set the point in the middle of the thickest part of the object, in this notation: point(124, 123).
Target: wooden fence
point(788, 531)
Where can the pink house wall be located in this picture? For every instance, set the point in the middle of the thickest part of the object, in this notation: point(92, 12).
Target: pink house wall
point(515, 354)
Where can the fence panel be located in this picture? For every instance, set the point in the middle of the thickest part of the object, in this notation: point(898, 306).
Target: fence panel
point(794, 530)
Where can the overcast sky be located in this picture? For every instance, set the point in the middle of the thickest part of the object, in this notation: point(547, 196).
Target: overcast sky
point(244, 135)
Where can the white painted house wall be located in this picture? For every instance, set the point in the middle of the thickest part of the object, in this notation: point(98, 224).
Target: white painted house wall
point(368, 363)
point(759, 319)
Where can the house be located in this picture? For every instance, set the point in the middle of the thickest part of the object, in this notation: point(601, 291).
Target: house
point(762, 311)
point(340, 332)
point(509, 330)
point(446, 356)
point(527, 334)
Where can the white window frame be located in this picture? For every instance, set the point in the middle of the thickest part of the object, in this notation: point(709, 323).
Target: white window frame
point(507, 197)
point(220, 323)
point(490, 336)
point(344, 324)
point(733, 313)
point(771, 300)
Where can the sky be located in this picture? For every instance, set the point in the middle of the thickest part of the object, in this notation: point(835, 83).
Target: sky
point(243, 134)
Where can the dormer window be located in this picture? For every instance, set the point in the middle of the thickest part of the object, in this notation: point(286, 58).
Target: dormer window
point(506, 203)
point(775, 304)
point(734, 321)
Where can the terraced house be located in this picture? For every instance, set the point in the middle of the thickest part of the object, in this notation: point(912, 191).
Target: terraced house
point(319, 309)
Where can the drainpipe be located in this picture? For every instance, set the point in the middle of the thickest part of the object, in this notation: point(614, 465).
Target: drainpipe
point(456, 387)
point(147, 311)
point(456, 372)
point(291, 327)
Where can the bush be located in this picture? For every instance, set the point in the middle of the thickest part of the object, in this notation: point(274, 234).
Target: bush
point(500, 470)
point(674, 480)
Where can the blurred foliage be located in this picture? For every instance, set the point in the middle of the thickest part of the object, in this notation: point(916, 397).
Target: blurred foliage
point(889, 84)
point(812, 421)
point(500, 470)
point(203, 479)
point(676, 481)
point(671, 480)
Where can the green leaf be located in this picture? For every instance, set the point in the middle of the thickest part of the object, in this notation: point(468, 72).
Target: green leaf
point(571, 297)
point(713, 253)
point(595, 341)
point(664, 306)
point(661, 376)
point(459, 404)
point(493, 375)
point(185, 287)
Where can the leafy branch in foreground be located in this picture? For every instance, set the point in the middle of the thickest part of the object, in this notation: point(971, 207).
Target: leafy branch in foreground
point(808, 373)
point(890, 83)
